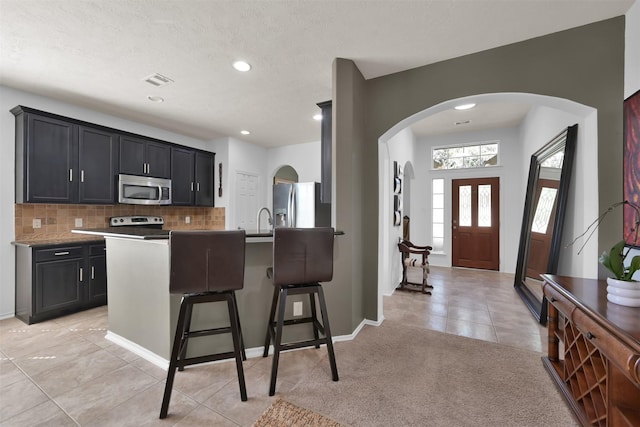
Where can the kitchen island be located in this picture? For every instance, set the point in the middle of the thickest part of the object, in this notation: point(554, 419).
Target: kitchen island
point(142, 314)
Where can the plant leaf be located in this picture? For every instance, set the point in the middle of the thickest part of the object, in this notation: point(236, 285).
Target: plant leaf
point(616, 264)
point(633, 267)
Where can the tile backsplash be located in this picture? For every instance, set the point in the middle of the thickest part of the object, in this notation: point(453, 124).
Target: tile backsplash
point(57, 221)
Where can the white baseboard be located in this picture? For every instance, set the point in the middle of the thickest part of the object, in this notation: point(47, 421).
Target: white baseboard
point(250, 352)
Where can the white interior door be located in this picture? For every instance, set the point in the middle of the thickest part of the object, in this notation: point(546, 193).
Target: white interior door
point(246, 201)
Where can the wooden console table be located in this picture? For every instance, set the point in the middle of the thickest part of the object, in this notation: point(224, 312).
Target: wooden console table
point(599, 370)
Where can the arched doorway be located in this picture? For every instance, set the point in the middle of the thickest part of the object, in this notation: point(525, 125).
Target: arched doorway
point(562, 113)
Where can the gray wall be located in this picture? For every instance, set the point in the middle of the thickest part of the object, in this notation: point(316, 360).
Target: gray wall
point(350, 163)
point(584, 64)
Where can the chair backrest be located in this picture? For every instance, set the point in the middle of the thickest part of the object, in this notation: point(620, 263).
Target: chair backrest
point(302, 255)
point(205, 261)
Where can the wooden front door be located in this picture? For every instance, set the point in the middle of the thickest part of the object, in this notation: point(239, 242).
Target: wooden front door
point(476, 223)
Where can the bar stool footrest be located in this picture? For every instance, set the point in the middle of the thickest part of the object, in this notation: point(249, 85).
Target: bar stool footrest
point(300, 344)
point(208, 358)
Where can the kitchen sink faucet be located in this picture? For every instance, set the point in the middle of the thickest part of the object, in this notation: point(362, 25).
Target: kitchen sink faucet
point(270, 219)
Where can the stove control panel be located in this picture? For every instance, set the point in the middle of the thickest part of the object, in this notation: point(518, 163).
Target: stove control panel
point(136, 221)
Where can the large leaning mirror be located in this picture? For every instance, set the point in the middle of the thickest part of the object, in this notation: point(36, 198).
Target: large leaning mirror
point(543, 218)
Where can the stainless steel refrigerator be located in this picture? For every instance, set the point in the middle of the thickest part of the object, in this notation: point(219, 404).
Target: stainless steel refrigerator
point(298, 205)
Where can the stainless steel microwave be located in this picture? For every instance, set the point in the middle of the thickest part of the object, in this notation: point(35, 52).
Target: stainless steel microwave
point(143, 190)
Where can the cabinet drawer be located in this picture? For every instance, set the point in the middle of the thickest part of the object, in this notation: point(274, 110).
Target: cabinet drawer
point(59, 253)
point(615, 350)
point(99, 249)
point(565, 306)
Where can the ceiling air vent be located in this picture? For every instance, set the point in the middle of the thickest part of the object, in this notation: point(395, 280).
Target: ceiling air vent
point(158, 79)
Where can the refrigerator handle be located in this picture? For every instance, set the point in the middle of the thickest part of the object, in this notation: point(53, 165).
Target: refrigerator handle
point(292, 207)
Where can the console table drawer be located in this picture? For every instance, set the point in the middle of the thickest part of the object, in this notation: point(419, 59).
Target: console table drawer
point(565, 306)
point(627, 360)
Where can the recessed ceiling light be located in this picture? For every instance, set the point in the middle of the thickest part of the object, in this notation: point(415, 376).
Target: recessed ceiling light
point(155, 98)
point(245, 132)
point(464, 106)
point(317, 117)
point(241, 66)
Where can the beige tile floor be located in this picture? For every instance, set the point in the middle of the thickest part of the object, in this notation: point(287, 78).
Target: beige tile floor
point(63, 372)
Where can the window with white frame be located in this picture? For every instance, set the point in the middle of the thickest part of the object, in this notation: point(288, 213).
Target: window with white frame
point(477, 155)
point(437, 209)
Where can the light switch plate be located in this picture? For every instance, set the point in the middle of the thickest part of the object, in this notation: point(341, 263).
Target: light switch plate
point(37, 223)
point(187, 219)
point(297, 308)
point(78, 222)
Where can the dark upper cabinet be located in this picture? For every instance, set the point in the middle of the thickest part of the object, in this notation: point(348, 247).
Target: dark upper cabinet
point(59, 161)
point(325, 144)
point(63, 160)
point(46, 154)
point(139, 156)
point(192, 175)
point(182, 173)
point(204, 179)
point(97, 158)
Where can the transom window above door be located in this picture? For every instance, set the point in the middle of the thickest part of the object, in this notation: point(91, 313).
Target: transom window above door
point(477, 155)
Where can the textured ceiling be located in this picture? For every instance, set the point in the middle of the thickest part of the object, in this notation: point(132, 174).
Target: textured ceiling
point(96, 53)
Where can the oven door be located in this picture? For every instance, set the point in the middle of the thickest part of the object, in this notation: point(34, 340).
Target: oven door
point(140, 190)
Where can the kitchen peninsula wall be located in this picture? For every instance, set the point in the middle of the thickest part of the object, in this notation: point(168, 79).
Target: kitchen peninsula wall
point(57, 220)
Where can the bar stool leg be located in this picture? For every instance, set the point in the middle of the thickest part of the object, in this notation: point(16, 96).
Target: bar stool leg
point(327, 332)
point(235, 303)
point(271, 322)
point(314, 315)
point(278, 339)
point(185, 340)
point(171, 373)
point(237, 343)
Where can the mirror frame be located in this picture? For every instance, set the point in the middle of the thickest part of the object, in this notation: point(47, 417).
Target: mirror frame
point(565, 140)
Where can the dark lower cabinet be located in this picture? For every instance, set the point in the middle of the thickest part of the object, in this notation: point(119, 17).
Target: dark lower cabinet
point(97, 274)
point(55, 280)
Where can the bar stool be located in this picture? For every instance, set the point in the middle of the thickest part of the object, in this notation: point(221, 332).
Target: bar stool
point(302, 257)
point(206, 266)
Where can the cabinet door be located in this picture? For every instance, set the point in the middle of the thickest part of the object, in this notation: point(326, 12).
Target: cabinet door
point(58, 285)
point(51, 171)
point(158, 158)
point(182, 173)
point(97, 276)
point(204, 174)
point(97, 157)
point(325, 159)
point(132, 160)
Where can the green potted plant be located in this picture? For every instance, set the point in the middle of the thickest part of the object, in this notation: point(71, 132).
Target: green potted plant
point(614, 262)
point(622, 289)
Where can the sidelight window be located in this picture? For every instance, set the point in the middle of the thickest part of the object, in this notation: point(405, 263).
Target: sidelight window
point(437, 224)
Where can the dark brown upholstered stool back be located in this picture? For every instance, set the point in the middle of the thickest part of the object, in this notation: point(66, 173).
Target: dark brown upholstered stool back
point(206, 261)
point(302, 255)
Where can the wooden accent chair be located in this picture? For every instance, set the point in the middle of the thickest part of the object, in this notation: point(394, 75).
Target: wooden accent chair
point(406, 249)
